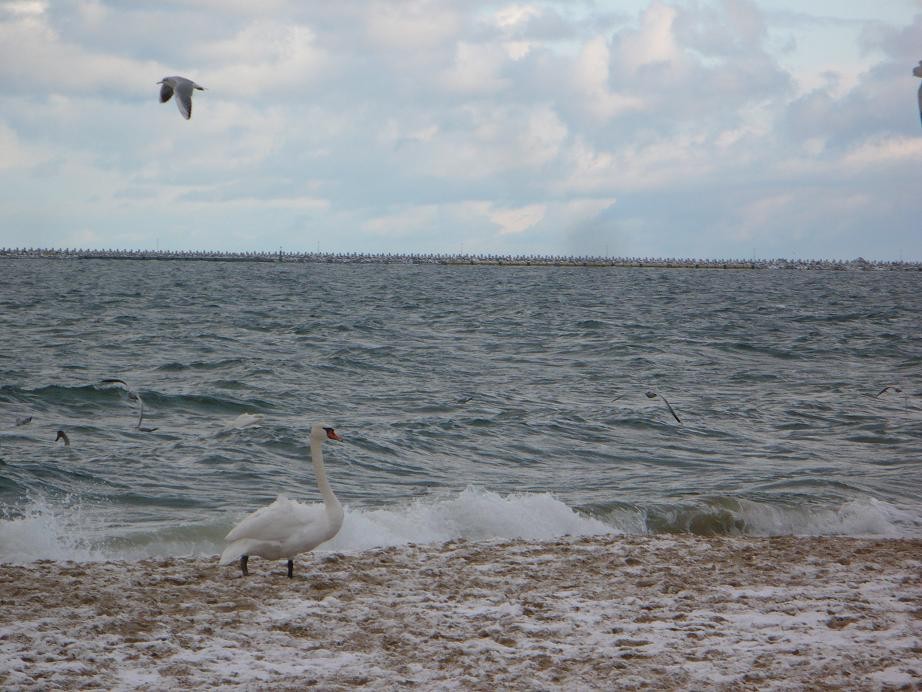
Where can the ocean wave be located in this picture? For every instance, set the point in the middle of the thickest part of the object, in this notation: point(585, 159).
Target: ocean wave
point(70, 530)
point(729, 516)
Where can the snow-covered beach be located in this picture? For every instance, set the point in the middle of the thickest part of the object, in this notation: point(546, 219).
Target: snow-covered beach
point(580, 613)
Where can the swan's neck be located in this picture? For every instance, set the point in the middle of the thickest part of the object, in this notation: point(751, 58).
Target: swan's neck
point(329, 499)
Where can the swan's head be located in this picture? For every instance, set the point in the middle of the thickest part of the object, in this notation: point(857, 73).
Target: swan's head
point(322, 431)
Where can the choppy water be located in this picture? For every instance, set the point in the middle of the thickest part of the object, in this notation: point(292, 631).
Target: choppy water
point(475, 401)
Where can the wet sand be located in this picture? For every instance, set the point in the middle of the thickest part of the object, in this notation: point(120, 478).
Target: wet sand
point(585, 613)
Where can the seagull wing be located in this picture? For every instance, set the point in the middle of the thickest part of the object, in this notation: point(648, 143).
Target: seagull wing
point(669, 406)
point(184, 98)
point(166, 91)
point(113, 380)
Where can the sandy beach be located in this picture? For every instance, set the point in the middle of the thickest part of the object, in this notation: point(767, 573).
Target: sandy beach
point(583, 613)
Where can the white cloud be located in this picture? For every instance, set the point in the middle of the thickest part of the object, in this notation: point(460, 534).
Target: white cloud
point(409, 26)
point(882, 151)
point(476, 68)
point(512, 17)
point(403, 221)
point(24, 8)
point(425, 125)
point(35, 56)
point(517, 220)
point(653, 43)
point(14, 154)
point(591, 75)
point(265, 58)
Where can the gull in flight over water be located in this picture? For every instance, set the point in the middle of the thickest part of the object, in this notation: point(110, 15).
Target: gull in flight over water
point(182, 88)
point(63, 436)
point(652, 395)
point(887, 388)
point(131, 395)
point(244, 420)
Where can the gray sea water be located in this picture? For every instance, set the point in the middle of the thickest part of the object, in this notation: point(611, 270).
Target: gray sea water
point(475, 402)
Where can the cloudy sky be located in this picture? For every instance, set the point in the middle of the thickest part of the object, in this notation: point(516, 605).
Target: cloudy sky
point(686, 128)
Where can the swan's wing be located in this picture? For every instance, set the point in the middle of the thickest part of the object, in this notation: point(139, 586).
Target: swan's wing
point(276, 522)
point(166, 92)
point(184, 98)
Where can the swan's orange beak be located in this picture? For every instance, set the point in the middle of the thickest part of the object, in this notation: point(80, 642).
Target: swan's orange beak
point(332, 435)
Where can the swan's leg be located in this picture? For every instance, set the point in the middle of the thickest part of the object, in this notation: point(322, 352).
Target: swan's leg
point(291, 566)
point(243, 564)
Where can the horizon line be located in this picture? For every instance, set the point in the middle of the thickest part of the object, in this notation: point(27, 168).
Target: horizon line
point(449, 258)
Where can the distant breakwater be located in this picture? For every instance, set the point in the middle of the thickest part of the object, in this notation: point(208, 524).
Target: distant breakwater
point(858, 264)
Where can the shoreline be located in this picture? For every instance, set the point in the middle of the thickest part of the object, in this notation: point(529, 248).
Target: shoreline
point(594, 612)
point(461, 259)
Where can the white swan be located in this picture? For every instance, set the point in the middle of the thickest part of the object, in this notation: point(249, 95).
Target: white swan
point(286, 528)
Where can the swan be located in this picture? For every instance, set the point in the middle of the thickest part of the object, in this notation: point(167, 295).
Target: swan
point(182, 87)
point(286, 528)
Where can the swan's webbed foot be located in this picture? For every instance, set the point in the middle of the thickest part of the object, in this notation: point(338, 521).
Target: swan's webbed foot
point(291, 566)
point(243, 564)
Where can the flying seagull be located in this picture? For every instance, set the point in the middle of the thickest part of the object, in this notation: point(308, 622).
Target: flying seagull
point(131, 395)
point(917, 71)
point(182, 87)
point(244, 420)
point(63, 436)
point(889, 386)
point(652, 395)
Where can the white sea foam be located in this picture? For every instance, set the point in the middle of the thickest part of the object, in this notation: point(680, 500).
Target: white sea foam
point(71, 531)
point(859, 517)
point(45, 532)
point(474, 514)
